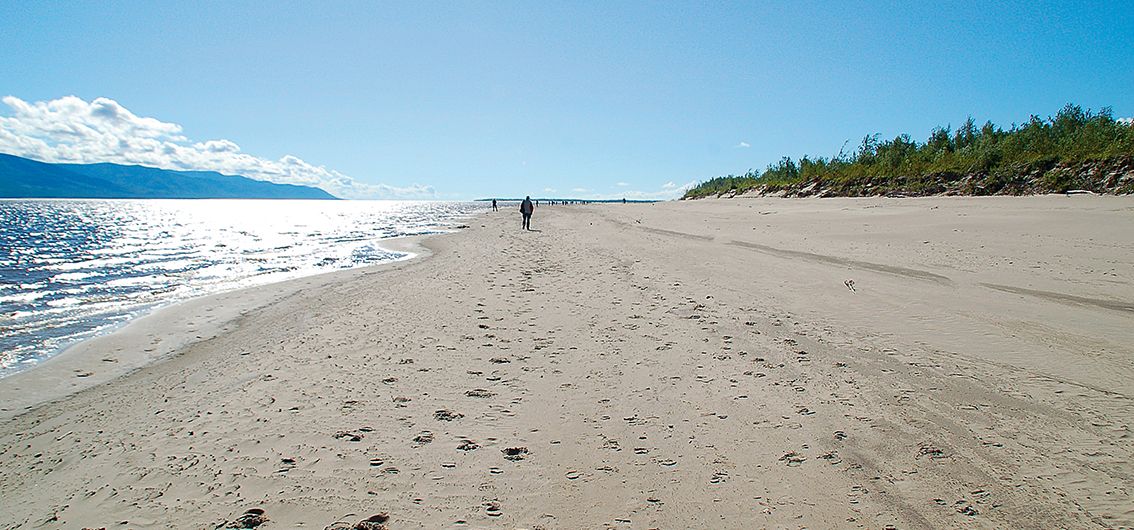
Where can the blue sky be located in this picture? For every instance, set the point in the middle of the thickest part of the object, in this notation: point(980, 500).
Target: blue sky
point(476, 99)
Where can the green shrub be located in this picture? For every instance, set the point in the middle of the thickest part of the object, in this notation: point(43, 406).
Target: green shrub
point(1002, 158)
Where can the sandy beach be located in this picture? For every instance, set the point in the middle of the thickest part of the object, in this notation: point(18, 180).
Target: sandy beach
point(781, 363)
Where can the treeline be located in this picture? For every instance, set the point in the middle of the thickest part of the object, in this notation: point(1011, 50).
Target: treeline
point(1056, 154)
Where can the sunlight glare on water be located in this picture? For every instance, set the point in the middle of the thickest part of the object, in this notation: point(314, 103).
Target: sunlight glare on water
point(70, 269)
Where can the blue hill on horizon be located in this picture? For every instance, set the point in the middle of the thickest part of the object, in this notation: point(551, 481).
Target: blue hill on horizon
point(23, 178)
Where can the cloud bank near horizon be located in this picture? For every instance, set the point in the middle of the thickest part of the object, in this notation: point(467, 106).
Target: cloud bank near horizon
point(669, 191)
point(71, 130)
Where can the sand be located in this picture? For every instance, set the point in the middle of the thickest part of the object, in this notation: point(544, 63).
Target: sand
point(675, 365)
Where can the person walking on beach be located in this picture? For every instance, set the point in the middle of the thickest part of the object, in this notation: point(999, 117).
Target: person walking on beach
point(526, 209)
point(494, 205)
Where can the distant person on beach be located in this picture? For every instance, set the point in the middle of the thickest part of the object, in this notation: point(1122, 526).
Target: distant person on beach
point(526, 209)
point(494, 205)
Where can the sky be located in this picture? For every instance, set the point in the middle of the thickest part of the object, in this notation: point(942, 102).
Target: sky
point(466, 100)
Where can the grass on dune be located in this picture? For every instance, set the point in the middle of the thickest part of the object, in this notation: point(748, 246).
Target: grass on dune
point(996, 157)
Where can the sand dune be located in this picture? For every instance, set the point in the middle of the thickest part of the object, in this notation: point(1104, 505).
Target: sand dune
point(926, 363)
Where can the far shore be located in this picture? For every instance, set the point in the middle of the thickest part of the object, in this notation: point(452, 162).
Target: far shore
point(934, 362)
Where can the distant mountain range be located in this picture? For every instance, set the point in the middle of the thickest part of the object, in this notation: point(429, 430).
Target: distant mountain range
point(24, 178)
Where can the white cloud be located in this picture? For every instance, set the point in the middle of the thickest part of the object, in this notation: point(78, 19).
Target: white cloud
point(1126, 121)
point(743, 144)
point(550, 190)
point(622, 184)
point(72, 130)
point(580, 190)
point(668, 192)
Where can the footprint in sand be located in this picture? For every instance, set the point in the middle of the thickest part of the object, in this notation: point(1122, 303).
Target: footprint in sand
point(927, 449)
point(793, 459)
point(447, 415)
point(374, 522)
point(286, 464)
point(493, 509)
point(515, 453)
point(480, 393)
point(968, 510)
point(249, 519)
point(348, 436)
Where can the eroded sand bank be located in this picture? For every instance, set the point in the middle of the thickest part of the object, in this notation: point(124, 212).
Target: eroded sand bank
point(642, 366)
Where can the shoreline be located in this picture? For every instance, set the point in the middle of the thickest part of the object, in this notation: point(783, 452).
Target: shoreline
point(161, 333)
point(642, 366)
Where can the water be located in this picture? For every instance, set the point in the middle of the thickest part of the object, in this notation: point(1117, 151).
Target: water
point(71, 269)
